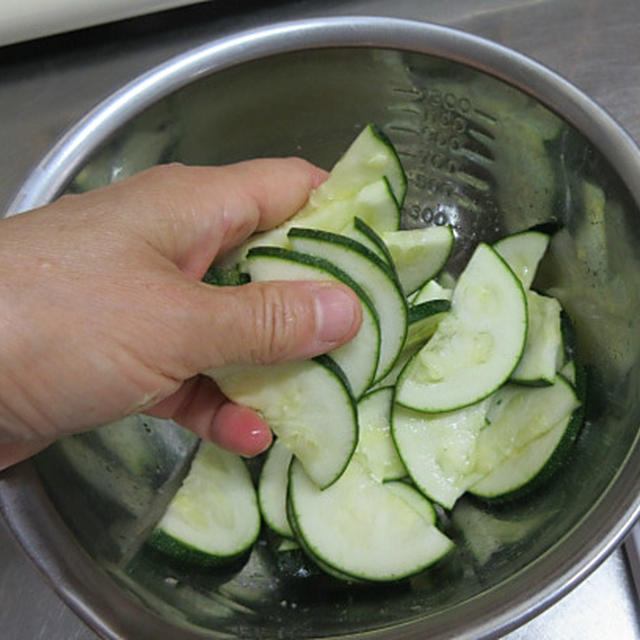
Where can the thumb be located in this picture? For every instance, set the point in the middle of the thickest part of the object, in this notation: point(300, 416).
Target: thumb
point(270, 322)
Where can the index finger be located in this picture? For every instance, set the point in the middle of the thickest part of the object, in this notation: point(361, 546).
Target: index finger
point(197, 213)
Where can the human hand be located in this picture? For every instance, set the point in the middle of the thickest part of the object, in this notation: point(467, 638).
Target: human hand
point(104, 313)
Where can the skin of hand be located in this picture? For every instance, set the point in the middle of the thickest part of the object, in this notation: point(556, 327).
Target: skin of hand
point(104, 314)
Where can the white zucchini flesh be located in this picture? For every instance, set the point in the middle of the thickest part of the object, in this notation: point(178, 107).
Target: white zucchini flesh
point(307, 404)
point(519, 415)
point(419, 254)
point(375, 278)
point(431, 290)
point(272, 489)
point(568, 371)
point(369, 157)
point(362, 233)
point(376, 450)
point(214, 513)
point(523, 252)
point(476, 346)
point(362, 529)
point(374, 203)
point(438, 450)
point(423, 320)
point(521, 468)
point(367, 181)
point(413, 498)
point(543, 349)
point(357, 358)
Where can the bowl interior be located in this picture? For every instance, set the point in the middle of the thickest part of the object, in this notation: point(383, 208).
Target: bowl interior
point(481, 156)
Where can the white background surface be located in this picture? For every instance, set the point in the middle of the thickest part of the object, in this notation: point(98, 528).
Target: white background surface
point(26, 19)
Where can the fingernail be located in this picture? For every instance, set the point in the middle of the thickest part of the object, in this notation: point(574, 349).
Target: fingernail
point(336, 313)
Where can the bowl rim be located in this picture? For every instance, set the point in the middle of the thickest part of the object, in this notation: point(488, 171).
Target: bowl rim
point(88, 590)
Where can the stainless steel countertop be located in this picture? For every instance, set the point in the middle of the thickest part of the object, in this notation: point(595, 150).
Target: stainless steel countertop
point(46, 85)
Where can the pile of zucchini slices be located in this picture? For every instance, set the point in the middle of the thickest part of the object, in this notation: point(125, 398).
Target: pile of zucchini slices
point(451, 386)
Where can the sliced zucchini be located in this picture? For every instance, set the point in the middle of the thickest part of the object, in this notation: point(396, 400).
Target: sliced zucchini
point(225, 277)
point(528, 433)
point(307, 404)
point(272, 489)
point(419, 254)
point(359, 357)
point(431, 290)
point(374, 203)
point(532, 466)
point(413, 498)
point(374, 277)
point(519, 415)
point(543, 350)
point(438, 450)
point(365, 234)
point(367, 181)
point(523, 252)
point(476, 346)
point(214, 515)
point(422, 322)
point(376, 450)
point(360, 529)
point(370, 157)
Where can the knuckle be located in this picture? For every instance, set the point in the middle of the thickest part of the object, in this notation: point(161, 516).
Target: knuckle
point(275, 323)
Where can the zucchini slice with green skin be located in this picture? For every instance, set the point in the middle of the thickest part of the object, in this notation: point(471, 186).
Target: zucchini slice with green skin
point(523, 252)
point(368, 181)
point(543, 350)
point(422, 322)
point(307, 404)
point(272, 489)
point(431, 290)
point(414, 499)
point(476, 346)
point(225, 277)
point(364, 229)
point(369, 157)
point(527, 469)
point(438, 450)
point(365, 235)
point(359, 357)
point(213, 517)
point(376, 450)
point(519, 415)
point(419, 254)
point(355, 527)
point(374, 277)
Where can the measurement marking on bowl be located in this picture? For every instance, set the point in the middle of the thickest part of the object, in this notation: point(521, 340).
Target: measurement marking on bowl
point(475, 156)
point(403, 129)
point(485, 116)
point(409, 91)
point(483, 137)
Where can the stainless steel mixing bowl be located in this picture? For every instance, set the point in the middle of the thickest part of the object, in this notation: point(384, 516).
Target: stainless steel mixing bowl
point(492, 143)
